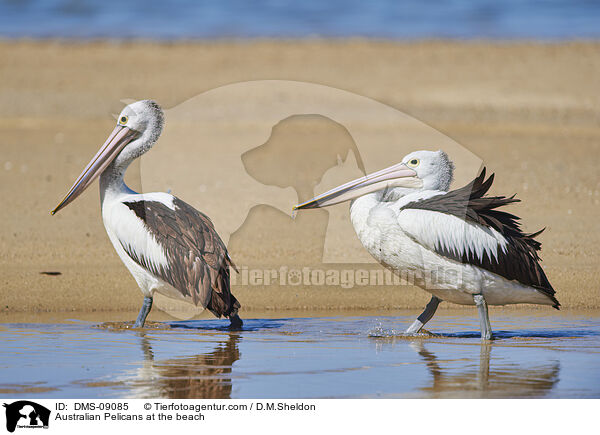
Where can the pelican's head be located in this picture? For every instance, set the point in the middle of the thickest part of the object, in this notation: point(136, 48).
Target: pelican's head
point(138, 127)
point(419, 170)
point(433, 168)
point(146, 119)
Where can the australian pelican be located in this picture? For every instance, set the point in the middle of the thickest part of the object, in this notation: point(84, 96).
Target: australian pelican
point(408, 220)
point(168, 246)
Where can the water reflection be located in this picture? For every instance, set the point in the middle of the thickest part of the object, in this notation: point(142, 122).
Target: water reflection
point(483, 380)
point(303, 358)
point(206, 375)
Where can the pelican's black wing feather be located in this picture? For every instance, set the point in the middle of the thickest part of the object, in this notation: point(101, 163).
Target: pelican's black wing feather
point(198, 261)
point(520, 261)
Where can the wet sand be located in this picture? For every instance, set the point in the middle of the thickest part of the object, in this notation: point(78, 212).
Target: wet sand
point(529, 111)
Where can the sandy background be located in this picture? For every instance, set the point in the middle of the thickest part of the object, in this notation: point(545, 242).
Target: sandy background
point(530, 112)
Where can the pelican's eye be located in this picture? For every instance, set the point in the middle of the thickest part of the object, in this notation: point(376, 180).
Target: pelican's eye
point(413, 163)
point(123, 120)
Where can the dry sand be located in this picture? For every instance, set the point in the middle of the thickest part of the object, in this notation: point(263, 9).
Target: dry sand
point(531, 112)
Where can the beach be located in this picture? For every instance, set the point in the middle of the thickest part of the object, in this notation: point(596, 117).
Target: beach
point(529, 111)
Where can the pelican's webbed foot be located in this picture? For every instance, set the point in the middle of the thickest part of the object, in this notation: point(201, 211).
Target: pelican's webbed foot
point(236, 322)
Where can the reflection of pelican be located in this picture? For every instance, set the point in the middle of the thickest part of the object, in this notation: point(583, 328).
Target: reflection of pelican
point(166, 244)
point(407, 219)
point(204, 376)
point(483, 382)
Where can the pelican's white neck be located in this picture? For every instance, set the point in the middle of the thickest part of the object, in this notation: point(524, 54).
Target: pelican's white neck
point(112, 181)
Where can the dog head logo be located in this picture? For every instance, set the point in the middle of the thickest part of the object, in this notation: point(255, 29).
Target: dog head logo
point(26, 414)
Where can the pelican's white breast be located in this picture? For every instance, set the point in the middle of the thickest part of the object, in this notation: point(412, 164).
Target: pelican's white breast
point(124, 228)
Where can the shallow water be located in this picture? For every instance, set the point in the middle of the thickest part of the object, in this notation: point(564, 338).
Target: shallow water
point(535, 354)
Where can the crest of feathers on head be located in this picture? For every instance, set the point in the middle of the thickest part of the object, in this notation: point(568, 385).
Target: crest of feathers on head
point(446, 171)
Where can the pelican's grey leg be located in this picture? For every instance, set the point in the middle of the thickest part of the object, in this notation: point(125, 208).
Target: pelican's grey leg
point(484, 319)
point(425, 316)
point(141, 318)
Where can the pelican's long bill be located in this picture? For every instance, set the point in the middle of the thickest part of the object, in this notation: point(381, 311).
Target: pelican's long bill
point(398, 175)
point(115, 143)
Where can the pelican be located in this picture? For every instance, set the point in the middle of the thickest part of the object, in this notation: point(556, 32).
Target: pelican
point(407, 219)
point(168, 246)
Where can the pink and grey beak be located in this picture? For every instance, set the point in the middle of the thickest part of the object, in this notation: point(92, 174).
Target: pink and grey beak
point(398, 175)
point(115, 143)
